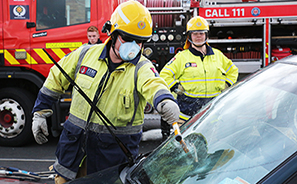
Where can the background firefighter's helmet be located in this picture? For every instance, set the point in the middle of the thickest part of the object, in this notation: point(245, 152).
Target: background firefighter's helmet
point(196, 23)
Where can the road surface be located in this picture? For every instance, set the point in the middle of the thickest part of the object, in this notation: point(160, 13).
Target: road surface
point(38, 158)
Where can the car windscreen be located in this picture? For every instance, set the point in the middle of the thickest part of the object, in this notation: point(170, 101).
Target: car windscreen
point(240, 136)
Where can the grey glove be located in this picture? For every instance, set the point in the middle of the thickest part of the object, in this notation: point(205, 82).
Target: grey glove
point(169, 111)
point(179, 90)
point(39, 126)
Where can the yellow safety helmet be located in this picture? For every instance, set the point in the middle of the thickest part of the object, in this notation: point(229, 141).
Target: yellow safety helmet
point(131, 18)
point(196, 23)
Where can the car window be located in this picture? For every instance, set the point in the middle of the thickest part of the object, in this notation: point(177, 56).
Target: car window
point(61, 13)
point(241, 135)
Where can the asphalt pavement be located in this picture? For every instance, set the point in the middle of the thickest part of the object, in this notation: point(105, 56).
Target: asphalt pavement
point(38, 158)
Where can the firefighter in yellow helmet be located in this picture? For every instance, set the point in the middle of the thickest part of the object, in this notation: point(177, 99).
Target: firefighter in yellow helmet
point(199, 73)
point(120, 81)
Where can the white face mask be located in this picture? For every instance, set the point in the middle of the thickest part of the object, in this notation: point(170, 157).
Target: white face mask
point(128, 50)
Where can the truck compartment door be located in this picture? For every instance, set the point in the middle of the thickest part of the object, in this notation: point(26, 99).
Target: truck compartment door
point(16, 38)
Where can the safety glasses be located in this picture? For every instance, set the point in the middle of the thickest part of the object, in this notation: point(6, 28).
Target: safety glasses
point(129, 39)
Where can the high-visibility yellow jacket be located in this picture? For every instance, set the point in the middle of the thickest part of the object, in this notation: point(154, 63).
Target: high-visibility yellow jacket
point(115, 94)
point(200, 79)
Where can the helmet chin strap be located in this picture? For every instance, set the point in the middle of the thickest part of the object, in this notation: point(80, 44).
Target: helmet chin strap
point(197, 45)
point(113, 46)
point(113, 49)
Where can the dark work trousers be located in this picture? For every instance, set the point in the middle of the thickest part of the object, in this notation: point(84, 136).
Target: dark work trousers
point(103, 151)
point(70, 150)
point(190, 106)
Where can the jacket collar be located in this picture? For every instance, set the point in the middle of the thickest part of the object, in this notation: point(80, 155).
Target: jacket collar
point(98, 42)
point(209, 50)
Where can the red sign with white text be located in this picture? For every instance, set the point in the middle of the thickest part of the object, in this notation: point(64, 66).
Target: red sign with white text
point(21, 2)
point(248, 11)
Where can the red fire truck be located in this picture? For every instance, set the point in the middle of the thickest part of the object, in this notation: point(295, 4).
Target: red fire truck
point(33, 33)
point(253, 33)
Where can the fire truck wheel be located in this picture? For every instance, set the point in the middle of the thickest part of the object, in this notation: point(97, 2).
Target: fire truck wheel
point(15, 116)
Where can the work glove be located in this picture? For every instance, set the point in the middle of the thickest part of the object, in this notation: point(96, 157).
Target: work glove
point(226, 87)
point(179, 90)
point(39, 126)
point(168, 110)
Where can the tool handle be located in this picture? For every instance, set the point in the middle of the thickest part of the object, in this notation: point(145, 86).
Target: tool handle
point(13, 169)
point(177, 133)
point(178, 137)
point(4, 172)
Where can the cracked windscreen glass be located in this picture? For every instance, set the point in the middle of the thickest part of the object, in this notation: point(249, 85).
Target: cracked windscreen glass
point(239, 136)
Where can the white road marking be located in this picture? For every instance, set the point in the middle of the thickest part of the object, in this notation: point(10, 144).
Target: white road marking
point(27, 160)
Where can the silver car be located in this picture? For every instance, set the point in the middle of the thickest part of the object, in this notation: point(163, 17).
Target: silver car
point(246, 135)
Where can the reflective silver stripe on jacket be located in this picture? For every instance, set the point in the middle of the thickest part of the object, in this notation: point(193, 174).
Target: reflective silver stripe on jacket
point(201, 95)
point(183, 116)
point(95, 127)
point(201, 80)
point(173, 76)
point(50, 93)
point(81, 57)
point(161, 92)
point(230, 81)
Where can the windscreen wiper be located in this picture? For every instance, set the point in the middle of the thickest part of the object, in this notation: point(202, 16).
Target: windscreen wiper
point(99, 113)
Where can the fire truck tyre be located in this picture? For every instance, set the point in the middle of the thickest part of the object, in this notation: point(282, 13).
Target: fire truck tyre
point(15, 116)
